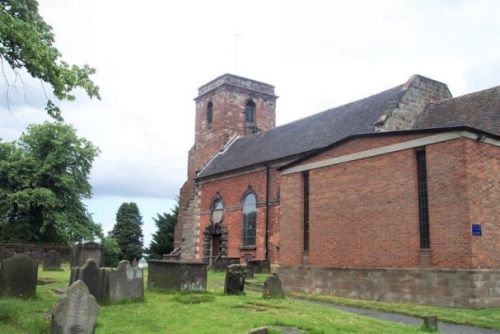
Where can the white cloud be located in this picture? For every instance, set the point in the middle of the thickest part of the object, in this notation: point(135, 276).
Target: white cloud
point(152, 56)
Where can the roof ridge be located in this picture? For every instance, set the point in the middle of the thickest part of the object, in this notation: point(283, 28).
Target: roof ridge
point(467, 95)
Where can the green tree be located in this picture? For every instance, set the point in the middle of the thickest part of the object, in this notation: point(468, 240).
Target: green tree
point(128, 231)
point(111, 251)
point(27, 41)
point(163, 239)
point(44, 177)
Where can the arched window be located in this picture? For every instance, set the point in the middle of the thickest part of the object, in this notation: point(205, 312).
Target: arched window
point(217, 210)
point(249, 219)
point(250, 112)
point(210, 112)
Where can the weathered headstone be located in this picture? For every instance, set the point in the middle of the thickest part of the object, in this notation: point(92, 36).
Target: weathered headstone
point(52, 260)
point(273, 287)
point(82, 252)
point(135, 263)
point(36, 255)
point(260, 266)
point(249, 272)
point(93, 277)
point(18, 276)
point(76, 311)
point(6, 253)
point(125, 283)
point(235, 279)
point(430, 324)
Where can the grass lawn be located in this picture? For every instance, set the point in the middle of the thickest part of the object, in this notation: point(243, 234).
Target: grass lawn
point(212, 312)
point(488, 318)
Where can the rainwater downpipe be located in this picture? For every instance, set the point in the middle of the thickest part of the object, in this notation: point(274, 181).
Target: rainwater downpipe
point(268, 181)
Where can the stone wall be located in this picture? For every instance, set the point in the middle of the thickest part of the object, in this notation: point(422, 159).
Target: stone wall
point(418, 92)
point(442, 287)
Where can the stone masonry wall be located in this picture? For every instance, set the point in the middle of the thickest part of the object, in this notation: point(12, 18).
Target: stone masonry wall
point(441, 287)
point(419, 92)
point(228, 95)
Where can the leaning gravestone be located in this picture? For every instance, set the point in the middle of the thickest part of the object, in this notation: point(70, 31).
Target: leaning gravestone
point(125, 283)
point(273, 287)
point(52, 260)
point(93, 277)
point(235, 279)
point(6, 253)
point(18, 276)
point(76, 311)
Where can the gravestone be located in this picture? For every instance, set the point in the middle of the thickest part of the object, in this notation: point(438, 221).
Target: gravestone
point(82, 252)
point(430, 324)
point(249, 272)
point(235, 279)
point(125, 283)
point(75, 312)
point(36, 255)
point(18, 276)
point(135, 263)
point(273, 287)
point(94, 278)
point(52, 260)
point(6, 253)
point(260, 266)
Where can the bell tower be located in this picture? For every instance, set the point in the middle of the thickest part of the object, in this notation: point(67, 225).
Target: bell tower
point(226, 107)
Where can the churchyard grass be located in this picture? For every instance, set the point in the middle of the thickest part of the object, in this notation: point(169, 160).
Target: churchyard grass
point(212, 312)
point(487, 318)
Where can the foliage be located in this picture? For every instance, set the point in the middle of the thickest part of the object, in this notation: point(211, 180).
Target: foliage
point(43, 178)
point(128, 231)
point(111, 251)
point(27, 41)
point(163, 239)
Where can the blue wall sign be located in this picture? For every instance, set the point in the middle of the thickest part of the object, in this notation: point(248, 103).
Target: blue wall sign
point(476, 229)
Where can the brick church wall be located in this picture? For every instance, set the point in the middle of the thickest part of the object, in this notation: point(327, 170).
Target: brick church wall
point(364, 213)
point(232, 190)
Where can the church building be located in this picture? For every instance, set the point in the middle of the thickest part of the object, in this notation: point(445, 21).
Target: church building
point(392, 197)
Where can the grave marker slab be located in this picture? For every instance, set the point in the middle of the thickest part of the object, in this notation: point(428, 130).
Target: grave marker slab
point(76, 311)
point(125, 283)
point(93, 277)
point(235, 279)
point(273, 287)
point(18, 277)
point(52, 261)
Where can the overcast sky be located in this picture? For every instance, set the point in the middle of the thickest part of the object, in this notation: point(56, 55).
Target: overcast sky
point(151, 56)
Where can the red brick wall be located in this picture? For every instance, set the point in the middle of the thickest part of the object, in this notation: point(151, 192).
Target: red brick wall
point(448, 206)
point(364, 213)
point(483, 187)
point(232, 190)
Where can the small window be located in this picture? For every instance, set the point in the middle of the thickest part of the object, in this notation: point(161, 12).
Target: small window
point(250, 112)
point(423, 199)
point(210, 112)
point(217, 210)
point(249, 219)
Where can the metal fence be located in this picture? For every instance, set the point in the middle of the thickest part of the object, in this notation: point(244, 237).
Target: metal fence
point(37, 249)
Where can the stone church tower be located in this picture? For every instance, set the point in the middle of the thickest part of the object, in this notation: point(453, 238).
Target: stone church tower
point(227, 107)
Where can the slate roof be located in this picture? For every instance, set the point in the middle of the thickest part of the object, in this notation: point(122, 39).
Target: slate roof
point(306, 134)
point(480, 110)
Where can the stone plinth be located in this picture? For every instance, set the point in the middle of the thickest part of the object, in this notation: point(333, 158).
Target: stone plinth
point(177, 275)
point(467, 288)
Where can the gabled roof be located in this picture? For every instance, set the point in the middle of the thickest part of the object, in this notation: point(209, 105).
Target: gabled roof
point(480, 110)
point(306, 134)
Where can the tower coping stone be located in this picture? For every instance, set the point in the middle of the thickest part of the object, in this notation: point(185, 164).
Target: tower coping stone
point(236, 81)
